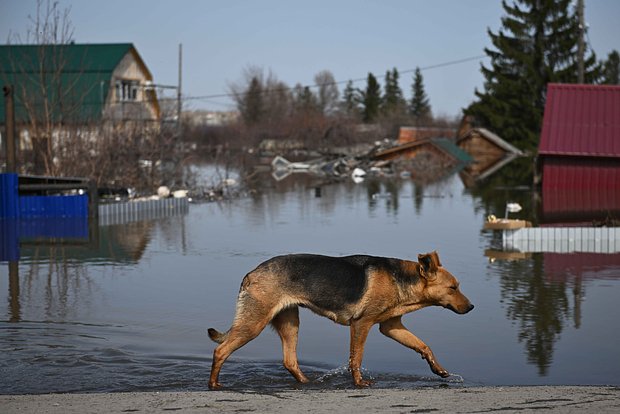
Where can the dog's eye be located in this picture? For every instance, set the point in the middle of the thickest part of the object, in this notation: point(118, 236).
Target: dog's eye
point(454, 287)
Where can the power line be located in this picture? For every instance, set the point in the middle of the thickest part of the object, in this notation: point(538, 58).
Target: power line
point(435, 66)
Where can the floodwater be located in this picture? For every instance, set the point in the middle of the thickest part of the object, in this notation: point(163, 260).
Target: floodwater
point(129, 311)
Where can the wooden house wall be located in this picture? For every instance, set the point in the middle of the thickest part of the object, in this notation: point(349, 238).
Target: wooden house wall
point(410, 134)
point(143, 107)
point(484, 153)
point(412, 152)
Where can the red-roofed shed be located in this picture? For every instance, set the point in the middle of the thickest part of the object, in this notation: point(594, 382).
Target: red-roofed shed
point(581, 120)
point(580, 150)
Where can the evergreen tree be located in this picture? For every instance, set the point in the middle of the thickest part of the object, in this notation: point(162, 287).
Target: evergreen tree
point(371, 99)
point(611, 69)
point(305, 100)
point(350, 100)
point(420, 107)
point(251, 107)
point(537, 44)
point(393, 101)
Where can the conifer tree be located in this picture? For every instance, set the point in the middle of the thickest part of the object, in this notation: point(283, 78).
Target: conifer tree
point(251, 106)
point(393, 101)
point(371, 99)
point(419, 107)
point(305, 100)
point(537, 44)
point(350, 100)
point(611, 69)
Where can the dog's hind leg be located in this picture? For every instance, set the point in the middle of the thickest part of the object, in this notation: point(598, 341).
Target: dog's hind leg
point(250, 320)
point(394, 328)
point(286, 323)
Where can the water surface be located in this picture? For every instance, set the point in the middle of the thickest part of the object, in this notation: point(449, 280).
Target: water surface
point(130, 310)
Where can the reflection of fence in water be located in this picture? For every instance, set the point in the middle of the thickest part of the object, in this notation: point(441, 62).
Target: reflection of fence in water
point(80, 231)
point(563, 239)
point(127, 212)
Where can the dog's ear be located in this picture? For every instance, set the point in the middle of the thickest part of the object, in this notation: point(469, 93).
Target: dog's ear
point(435, 257)
point(428, 265)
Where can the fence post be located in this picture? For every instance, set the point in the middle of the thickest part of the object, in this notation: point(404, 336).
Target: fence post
point(93, 200)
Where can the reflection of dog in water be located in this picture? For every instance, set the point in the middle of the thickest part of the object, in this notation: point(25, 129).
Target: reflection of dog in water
point(358, 291)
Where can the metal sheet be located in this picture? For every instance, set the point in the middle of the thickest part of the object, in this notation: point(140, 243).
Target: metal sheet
point(581, 120)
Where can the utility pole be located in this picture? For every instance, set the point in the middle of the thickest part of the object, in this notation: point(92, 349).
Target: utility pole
point(9, 114)
point(580, 44)
point(179, 102)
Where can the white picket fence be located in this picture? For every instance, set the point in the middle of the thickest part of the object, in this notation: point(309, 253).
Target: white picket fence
point(563, 239)
point(131, 211)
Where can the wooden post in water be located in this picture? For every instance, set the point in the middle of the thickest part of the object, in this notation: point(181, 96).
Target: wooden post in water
point(93, 200)
point(14, 291)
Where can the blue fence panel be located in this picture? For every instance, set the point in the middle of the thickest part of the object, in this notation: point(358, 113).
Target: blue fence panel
point(9, 198)
point(54, 206)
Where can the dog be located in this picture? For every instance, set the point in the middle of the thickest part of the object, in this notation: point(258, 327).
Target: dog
point(356, 291)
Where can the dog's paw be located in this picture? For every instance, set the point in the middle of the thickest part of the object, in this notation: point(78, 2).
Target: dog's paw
point(443, 374)
point(439, 370)
point(215, 386)
point(363, 383)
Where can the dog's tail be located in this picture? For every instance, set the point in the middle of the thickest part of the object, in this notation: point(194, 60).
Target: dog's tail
point(217, 336)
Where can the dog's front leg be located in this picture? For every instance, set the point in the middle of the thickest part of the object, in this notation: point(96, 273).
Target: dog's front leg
point(395, 329)
point(359, 333)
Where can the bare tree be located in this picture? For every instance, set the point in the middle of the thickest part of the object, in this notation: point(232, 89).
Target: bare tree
point(327, 93)
point(45, 100)
point(59, 126)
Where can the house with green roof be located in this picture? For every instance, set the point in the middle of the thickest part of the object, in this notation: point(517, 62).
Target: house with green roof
point(77, 84)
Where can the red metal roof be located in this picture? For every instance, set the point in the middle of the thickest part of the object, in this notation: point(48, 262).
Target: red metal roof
point(581, 120)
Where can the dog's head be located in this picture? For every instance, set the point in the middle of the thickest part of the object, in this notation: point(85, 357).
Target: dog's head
point(441, 287)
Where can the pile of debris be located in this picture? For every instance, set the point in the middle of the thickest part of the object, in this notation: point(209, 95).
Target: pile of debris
point(385, 159)
point(477, 153)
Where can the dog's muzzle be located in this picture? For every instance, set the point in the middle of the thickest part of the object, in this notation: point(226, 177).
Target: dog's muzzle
point(460, 312)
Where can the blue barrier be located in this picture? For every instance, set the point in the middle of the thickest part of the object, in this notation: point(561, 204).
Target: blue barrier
point(9, 196)
point(24, 216)
point(53, 206)
point(16, 205)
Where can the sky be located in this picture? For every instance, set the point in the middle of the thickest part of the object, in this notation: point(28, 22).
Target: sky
point(297, 39)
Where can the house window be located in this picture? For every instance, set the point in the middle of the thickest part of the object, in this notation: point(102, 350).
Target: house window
point(127, 90)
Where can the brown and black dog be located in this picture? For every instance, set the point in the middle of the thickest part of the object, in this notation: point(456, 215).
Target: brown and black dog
point(358, 291)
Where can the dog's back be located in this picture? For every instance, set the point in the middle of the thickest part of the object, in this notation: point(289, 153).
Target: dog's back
point(327, 282)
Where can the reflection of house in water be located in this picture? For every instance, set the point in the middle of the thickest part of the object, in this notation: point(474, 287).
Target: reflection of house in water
point(576, 270)
point(50, 262)
point(113, 244)
point(56, 252)
point(544, 294)
point(579, 154)
point(489, 151)
point(584, 266)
